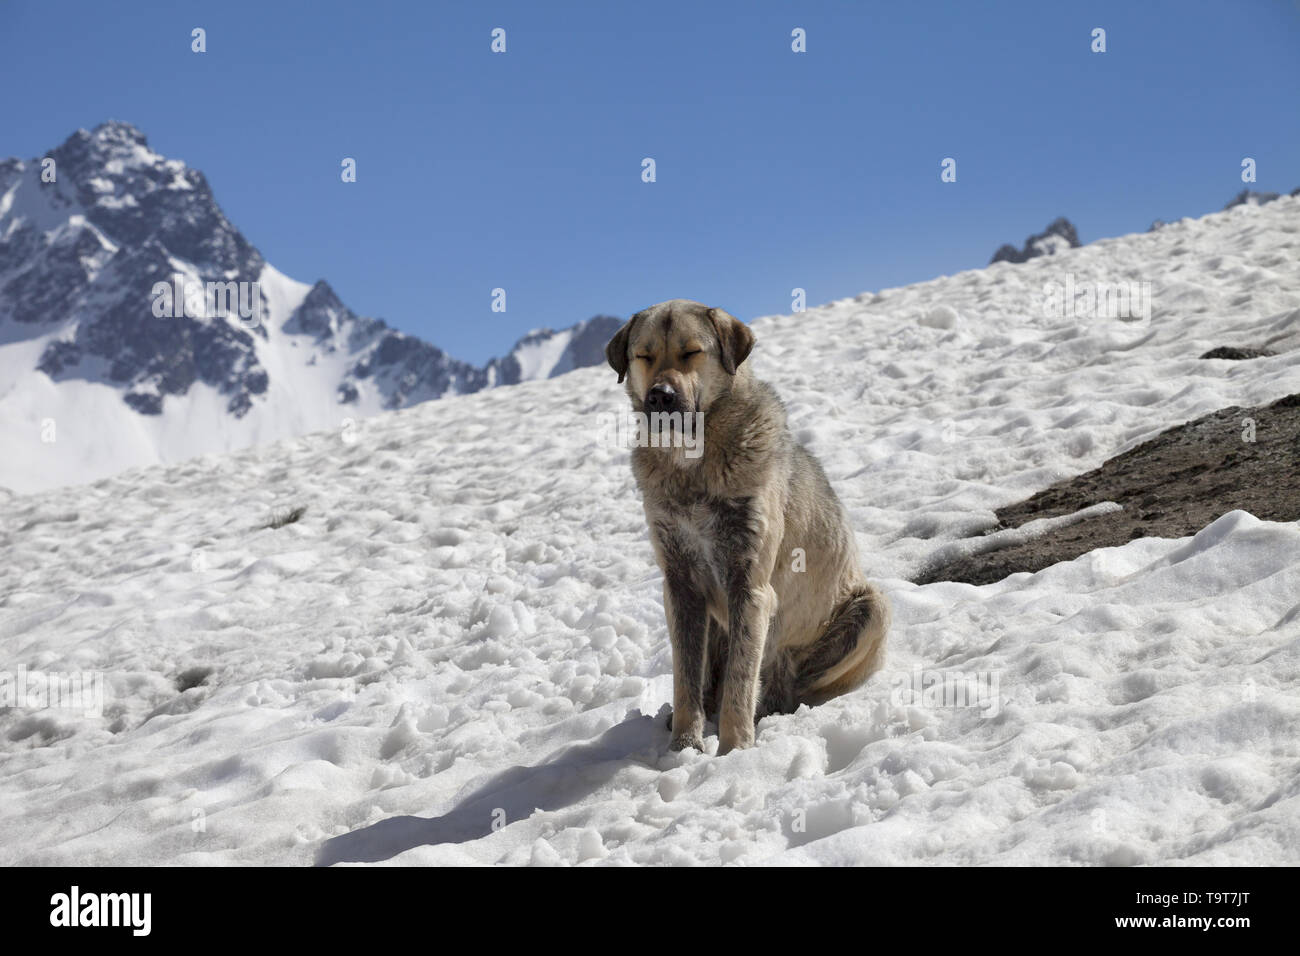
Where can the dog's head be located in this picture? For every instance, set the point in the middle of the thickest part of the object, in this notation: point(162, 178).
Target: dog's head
point(679, 356)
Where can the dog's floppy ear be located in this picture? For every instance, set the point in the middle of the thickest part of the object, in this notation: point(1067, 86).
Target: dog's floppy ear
point(735, 340)
point(616, 350)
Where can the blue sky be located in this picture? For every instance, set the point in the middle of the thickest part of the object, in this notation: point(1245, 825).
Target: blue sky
point(775, 170)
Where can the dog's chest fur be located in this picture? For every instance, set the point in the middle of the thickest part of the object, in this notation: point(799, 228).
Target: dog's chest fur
point(706, 515)
point(692, 536)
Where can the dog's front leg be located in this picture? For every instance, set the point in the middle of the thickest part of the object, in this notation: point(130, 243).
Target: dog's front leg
point(749, 623)
point(687, 629)
point(751, 602)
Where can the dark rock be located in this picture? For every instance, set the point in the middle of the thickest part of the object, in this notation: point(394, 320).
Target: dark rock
point(58, 357)
point(1249, 197)
point(408, 370)
point(1196, 472)
point(1060, 234)
point(320, 313)
point(1236, 354)
point(48, 290)
point(587, 346)
point(145, 403)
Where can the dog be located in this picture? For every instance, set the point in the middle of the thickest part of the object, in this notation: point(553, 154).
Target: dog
point(766, 603)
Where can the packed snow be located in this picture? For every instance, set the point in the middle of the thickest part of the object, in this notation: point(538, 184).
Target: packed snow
point(458, 655)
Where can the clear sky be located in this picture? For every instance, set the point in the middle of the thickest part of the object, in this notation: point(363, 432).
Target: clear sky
point(522, 170)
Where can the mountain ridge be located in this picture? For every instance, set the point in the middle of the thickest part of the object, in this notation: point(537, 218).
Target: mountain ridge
point(93, 238)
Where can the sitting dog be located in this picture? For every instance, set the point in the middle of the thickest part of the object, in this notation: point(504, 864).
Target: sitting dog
point(766, 603)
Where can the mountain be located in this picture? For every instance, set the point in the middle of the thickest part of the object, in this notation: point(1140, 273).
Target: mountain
point(545, 353)
point(457, 653)
point(1252, 197)
point(1060, 234)
point(138, 325)
point(1057, 237)
point(1247, 197)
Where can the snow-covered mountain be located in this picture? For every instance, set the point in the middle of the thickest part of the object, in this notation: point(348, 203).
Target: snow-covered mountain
point(100, 370)
point(452, 655)
point(545, 353)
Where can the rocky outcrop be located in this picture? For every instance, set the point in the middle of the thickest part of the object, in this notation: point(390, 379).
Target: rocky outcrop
point(1059, 235)
point(1169, 487)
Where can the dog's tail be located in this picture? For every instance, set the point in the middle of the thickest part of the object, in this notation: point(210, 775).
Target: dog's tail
point(849, 650)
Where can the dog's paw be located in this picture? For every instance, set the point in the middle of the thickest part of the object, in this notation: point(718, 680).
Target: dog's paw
point(685, 741)
point(735, 738)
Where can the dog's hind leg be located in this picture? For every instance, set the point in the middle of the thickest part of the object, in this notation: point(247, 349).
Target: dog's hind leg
point(778, 688)
point(850, 649)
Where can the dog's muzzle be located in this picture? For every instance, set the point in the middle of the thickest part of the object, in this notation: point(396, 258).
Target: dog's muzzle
point(662, 398)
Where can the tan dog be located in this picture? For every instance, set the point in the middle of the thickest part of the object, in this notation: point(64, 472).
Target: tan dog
point(767, 606)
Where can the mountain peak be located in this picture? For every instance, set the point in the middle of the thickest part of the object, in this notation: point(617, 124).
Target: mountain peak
point(110, 279)
point(118, 132)
point(113, 141)
point(1059, 235)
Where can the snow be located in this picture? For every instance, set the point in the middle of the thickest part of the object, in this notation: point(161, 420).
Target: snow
point(458, 653)
point(26, 202)
point(96, 434)
point(1050, 245)
point(1009, 537)
point(539, 359)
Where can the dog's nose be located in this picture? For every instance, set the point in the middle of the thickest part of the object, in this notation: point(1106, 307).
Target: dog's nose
point(661, 398)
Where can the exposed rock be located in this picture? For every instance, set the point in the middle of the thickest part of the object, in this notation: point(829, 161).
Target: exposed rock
point(1059, 235)
point(1249, 197)
point(1169, 487)
point(1235, 354)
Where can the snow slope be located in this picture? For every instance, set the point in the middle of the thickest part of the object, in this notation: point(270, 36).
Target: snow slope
point(465, 626)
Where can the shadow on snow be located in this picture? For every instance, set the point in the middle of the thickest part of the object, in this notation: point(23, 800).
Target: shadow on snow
point(567, 777)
